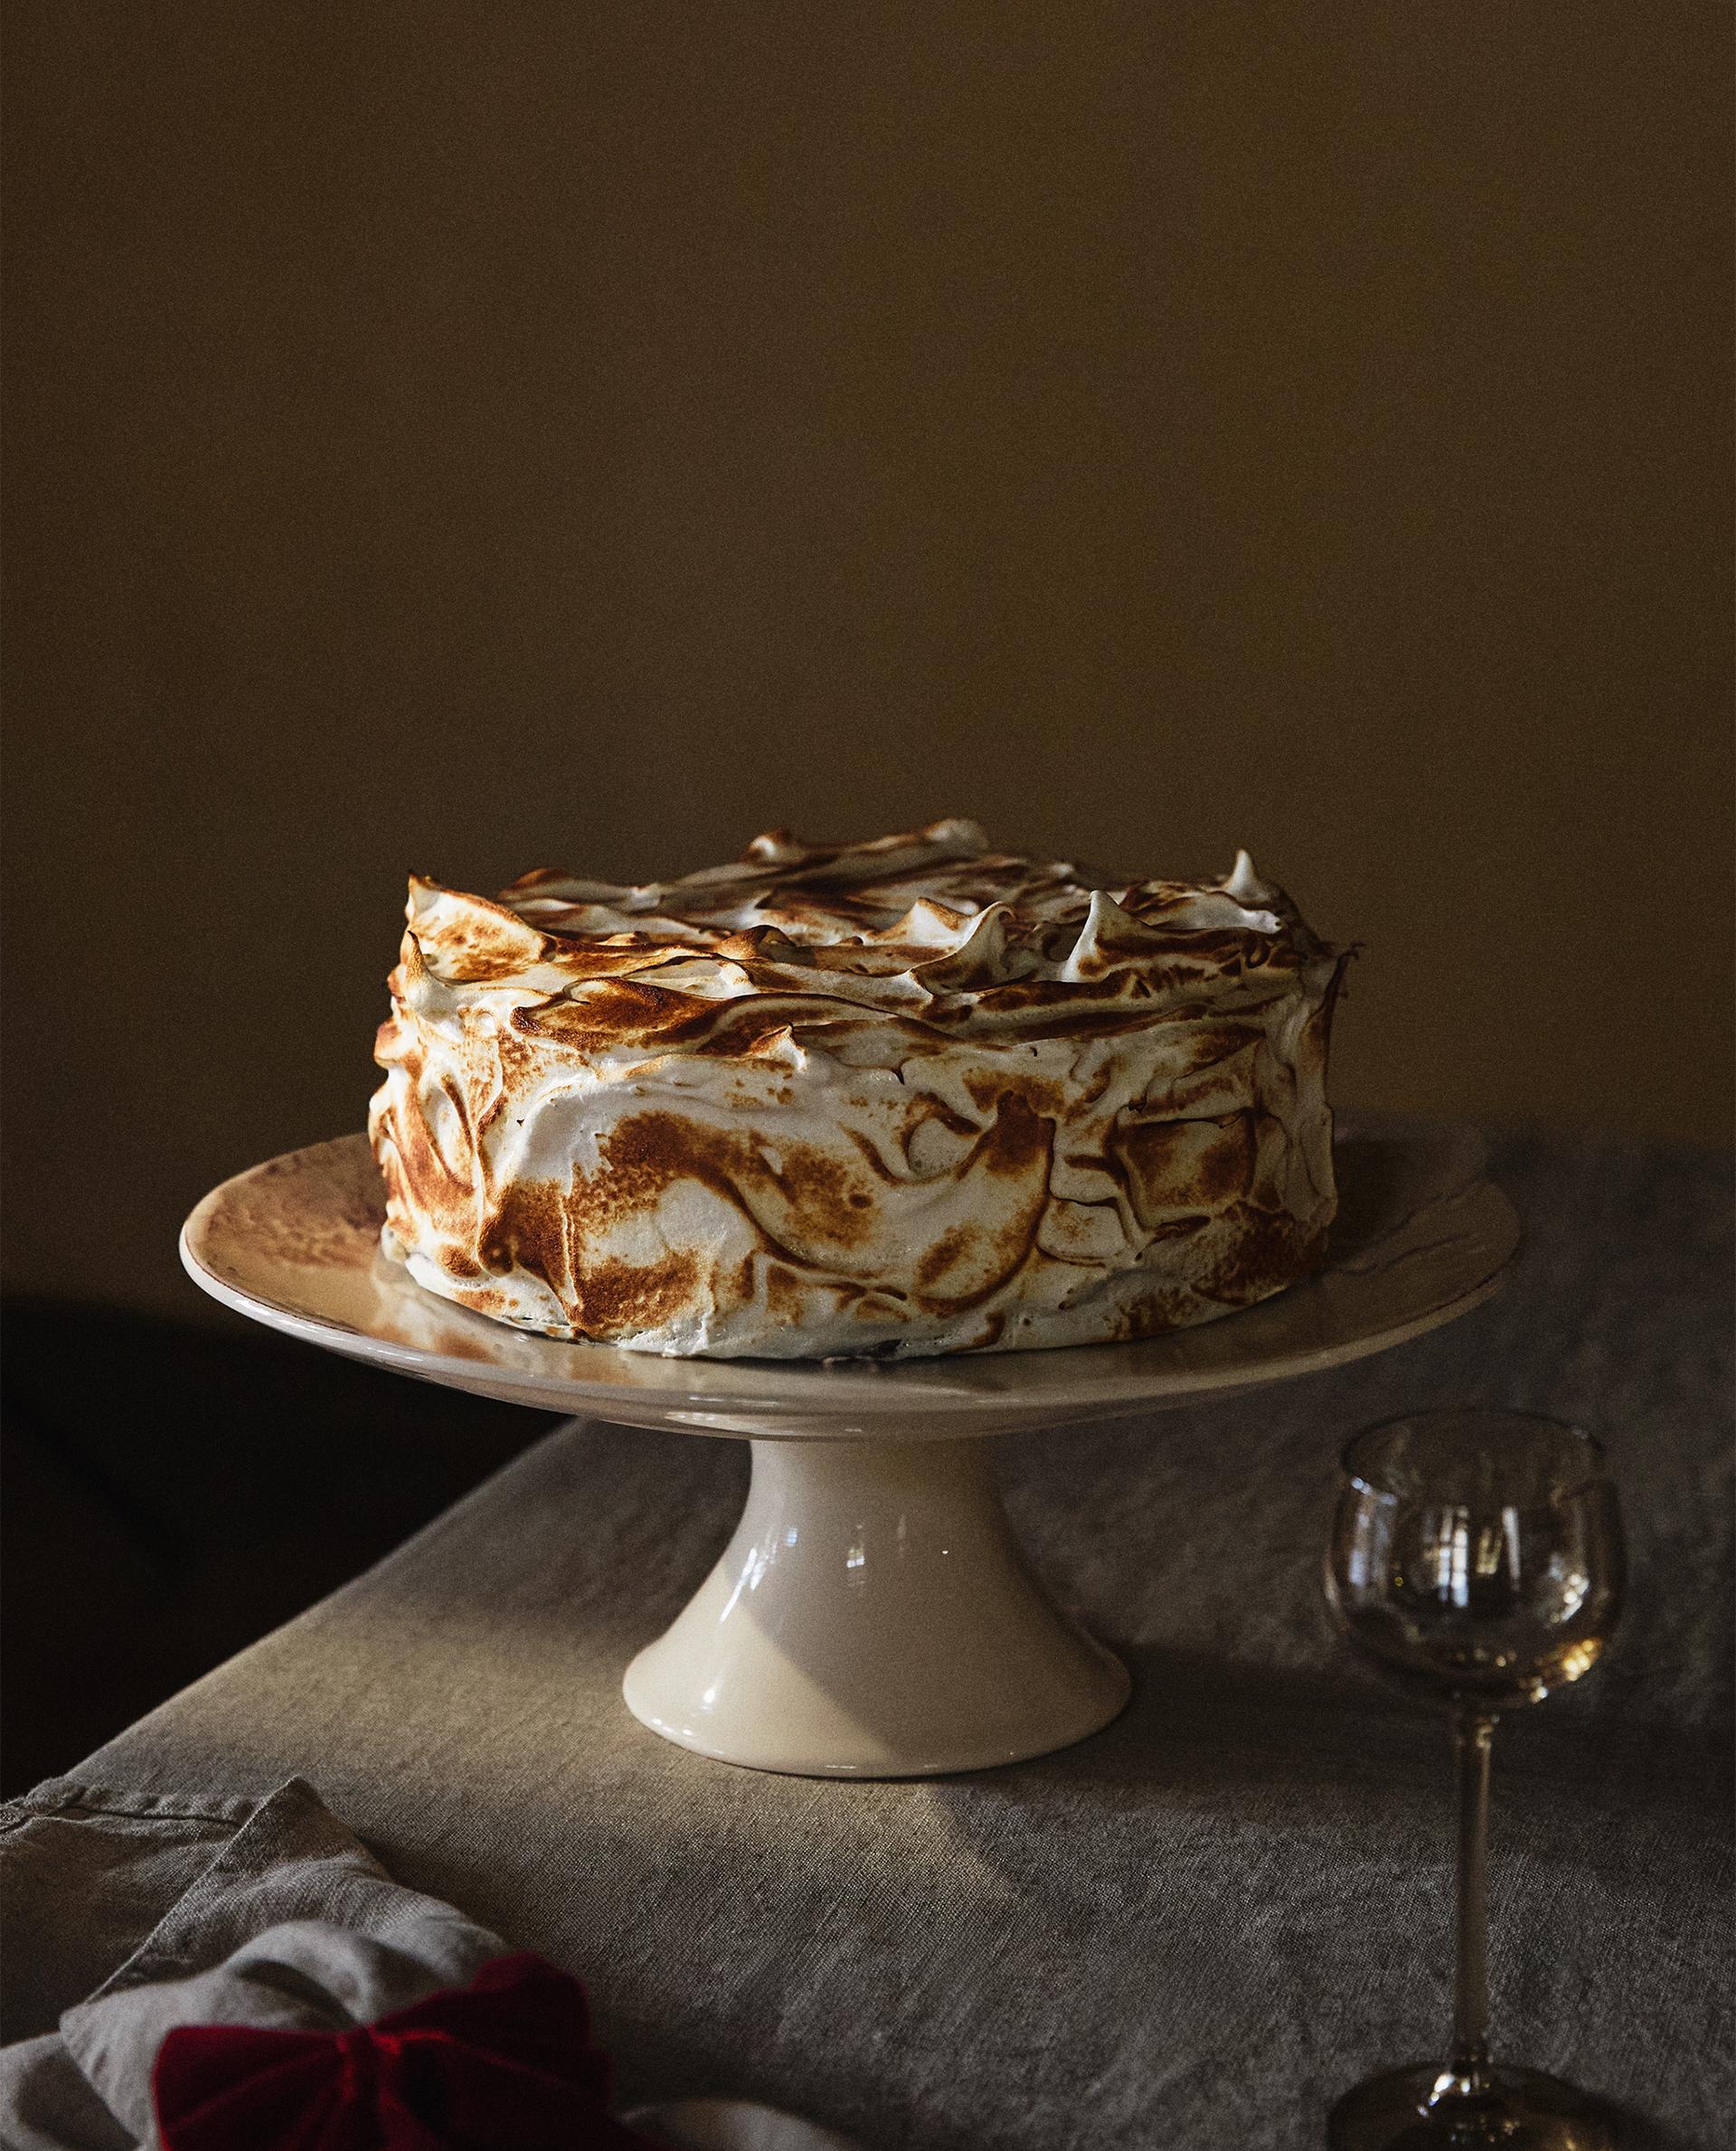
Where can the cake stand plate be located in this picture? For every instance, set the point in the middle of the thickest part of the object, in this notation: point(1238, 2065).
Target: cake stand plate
point(873, 1616)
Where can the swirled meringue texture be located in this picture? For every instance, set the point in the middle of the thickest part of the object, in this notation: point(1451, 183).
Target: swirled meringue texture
point(902, 1097)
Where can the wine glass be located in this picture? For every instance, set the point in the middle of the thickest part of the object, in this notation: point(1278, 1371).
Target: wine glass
point(1477, 1555)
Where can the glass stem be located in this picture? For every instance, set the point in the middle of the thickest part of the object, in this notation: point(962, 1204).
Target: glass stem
point(1473, 1735)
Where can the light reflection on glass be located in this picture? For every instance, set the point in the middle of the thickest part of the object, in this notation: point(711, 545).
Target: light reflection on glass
point(1450, 1553)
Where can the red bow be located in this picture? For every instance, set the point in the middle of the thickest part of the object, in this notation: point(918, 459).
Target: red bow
point(505, 2064)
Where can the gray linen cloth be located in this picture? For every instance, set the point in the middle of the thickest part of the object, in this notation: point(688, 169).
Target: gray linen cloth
point(277, 1917)
point(1196, 1929)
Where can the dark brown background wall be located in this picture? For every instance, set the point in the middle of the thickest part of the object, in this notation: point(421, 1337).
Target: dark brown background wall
point(468, 437)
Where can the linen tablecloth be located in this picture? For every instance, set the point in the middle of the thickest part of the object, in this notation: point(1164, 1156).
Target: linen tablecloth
point(1193, 1931)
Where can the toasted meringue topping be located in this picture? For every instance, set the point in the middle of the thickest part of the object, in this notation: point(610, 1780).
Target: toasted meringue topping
point(910, 1094)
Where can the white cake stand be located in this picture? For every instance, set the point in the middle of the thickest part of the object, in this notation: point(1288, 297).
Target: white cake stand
point(873, 1616)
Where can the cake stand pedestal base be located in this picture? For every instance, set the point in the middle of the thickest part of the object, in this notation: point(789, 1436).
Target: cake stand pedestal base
point(873, 1616)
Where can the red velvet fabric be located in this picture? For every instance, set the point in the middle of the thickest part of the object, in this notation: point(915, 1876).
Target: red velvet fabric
point(503, 2064)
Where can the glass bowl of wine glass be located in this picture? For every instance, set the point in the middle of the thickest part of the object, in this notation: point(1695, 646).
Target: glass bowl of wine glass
point(1476, 1556)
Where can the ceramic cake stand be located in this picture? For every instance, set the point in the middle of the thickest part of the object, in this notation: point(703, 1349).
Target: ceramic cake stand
point(873, 1616)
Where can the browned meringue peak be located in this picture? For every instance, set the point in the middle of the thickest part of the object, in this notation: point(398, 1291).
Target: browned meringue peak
point(930, 920)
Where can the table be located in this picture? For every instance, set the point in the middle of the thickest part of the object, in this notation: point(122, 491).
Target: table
point(1198, 1926)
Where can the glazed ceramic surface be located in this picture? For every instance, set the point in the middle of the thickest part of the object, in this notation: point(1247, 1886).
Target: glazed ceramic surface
point(1420, 1237)
point(872, 1615)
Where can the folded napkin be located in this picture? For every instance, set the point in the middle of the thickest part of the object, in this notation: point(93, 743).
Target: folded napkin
point(348, 2008)
point(291, 1997)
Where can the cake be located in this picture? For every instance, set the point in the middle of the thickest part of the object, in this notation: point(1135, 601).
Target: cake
point(894, 1097)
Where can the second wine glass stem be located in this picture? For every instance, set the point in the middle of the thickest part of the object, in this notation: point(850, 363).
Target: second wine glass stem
point(1473, 1734)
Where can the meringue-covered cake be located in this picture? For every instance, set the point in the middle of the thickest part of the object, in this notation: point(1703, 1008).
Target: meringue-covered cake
point(902, 1097)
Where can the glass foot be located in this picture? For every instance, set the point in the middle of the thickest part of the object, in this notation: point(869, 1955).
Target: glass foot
point(1523, 2110)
